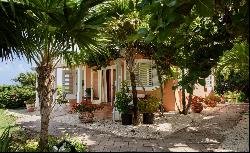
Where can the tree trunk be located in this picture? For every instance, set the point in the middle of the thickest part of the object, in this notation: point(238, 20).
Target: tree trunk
point(189, 104)
point(135, 100)
point(161, 89)
point(45, 94)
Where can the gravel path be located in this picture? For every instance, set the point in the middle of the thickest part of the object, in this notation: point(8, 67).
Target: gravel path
point(223, 128)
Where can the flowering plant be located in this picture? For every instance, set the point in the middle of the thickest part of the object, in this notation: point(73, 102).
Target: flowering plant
point(86, 106)
point(196, 104)
point(212, 100)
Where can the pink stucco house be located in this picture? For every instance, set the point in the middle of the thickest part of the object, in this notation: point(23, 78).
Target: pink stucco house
point(104, 83)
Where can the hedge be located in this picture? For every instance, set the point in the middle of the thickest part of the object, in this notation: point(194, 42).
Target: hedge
point(14, 96)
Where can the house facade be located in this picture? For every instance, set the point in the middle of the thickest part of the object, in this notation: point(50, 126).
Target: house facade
point(100, 85)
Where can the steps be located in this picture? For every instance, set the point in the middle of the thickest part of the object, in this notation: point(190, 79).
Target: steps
point(105, 113)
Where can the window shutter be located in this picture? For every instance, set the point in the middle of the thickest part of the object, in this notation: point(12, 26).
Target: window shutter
point(67, 81)
point(209, 81)
point(143, 72)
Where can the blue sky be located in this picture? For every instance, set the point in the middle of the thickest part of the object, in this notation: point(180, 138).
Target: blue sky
point(10, 69)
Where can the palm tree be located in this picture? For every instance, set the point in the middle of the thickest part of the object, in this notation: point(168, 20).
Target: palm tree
point(58, 27)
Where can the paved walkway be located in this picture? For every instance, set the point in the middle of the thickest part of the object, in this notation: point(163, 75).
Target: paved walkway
point(203, 136)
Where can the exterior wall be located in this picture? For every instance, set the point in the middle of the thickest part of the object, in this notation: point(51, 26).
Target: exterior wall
point(88, 76)
point(169, 97)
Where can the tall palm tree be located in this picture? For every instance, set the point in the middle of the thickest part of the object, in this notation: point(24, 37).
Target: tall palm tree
point(58, 27)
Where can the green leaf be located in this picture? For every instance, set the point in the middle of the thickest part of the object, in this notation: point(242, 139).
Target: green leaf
point(142, 32)
point(205, 7)
point(202, 82)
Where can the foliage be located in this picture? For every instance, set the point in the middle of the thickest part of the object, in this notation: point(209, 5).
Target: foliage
point(212, 100)
point(12, 96)
point(6, 121)
point(61, 97)
point(26, 79)
point(6, 142)
point(30, 144)
point(232, 72)
point(123, 99)
point(149, 104)
point(86, 106)
point(242, 97)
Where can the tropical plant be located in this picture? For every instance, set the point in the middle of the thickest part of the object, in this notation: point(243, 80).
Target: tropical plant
point(57, 28)
point(123, 100)
point(6, 142)
point(232, 71)
point(149, 104)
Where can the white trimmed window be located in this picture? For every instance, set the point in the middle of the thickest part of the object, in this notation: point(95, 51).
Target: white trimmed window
point(143, 72)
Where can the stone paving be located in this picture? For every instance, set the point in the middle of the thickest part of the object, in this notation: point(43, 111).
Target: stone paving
point(203, 136)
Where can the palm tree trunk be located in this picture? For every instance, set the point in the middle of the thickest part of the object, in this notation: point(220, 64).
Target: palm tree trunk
point(45, 94)
point(135, 100)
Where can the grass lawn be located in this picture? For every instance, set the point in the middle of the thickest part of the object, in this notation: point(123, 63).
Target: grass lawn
point(6, 120)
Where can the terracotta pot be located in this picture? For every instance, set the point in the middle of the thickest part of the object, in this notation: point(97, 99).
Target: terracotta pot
point(197, 108)
point(30, 107)
point(212, 103)
point(86, 117)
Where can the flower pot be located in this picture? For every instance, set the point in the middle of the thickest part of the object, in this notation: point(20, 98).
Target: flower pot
point(86, 117)
point(212, 104)
point(30, 107)
point(197, 108)
point(148, 118)
point(126, 119)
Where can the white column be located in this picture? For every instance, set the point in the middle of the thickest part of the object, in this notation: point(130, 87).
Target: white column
point(100, 85)
point(118, 74)
point(79, 84)
point(125, 70)
point(111, 75)
point(55, 84)
point(91, 85)
point(105, 85)
point(37, 98)
point(85, 79)
point(116, 114)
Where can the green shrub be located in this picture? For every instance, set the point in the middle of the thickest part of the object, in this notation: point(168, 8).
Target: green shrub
point(12, 96)
point(123, 99)
point(242, 97)
point(149, 104)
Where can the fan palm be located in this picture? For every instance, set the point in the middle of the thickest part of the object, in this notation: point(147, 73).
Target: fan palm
point(58, 27)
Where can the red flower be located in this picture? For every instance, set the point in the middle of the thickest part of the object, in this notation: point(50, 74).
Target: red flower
point(86, 106)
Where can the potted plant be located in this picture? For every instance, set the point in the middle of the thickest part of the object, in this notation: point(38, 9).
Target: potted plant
point(148, 105)
point(86, 111)
point(30, 103)
point(123, 104)
point(212, 100)
point(196, 104)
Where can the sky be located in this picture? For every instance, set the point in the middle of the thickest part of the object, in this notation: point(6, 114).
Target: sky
point(10, 69)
